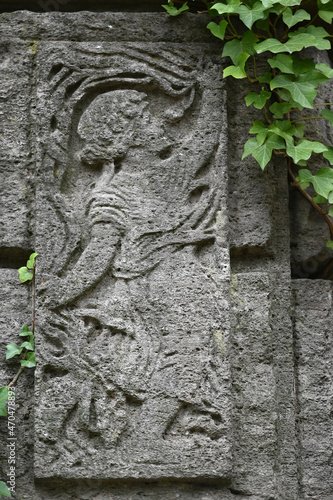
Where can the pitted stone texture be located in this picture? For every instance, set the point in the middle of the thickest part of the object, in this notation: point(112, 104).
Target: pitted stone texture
point(314, 359)
point(264, 458)
point(106, 26)
point(133, 378)
point(16, 66)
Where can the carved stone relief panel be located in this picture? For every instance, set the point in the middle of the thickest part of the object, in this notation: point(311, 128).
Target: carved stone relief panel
point(133, 377)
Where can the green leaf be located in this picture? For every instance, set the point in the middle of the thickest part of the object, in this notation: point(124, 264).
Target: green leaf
point(325, 12)
point(317, 32)
point(271, 45)
point(30, 361)
point(261, 130)
point(25, 274)
point(326, 69)
point(297, 41)
point(328, 114)
point(304, 150)
point(250, 16)
point(258, 100)
point(3, 401)
point(329, 154)
point(29, 346)
point(302, 65)
point(301, 41)
point(330, 200)
point(319, 199)
point(291, 19)
point(299, 130)
point(304, 178)
point(323, 181)
point(264, 152)
point(25, 332)
point(237, 71)
point(278, 109)
point(257, 127)
point(218, 30)
point(303, 93)
point(174, 11)
point(314, 77)
point(13, 350)
point(329, 244)
point(284, 129)
point(4, 491)
point(229, 8)
point(31, 261)
point(246, 45)
point(284, 62)
point(266, 77)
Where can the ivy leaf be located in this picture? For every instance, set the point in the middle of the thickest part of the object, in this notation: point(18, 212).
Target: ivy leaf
point(3, 401)
point(237, 71)
point(317, 32)
point(291, 19)
point(289, 3)
point(329, 244)
point(258, 100)
point(29, 346)
point(329, 154)
point(261, 130)
point(234, 48)
point(326, 69)
point(250, 16)
point(303, 93)
point(330, 199)
point(278, 109)
point(272, 45)
point(25, 274)
point(323, 181)
point(299, 130)
point(283, 62)
point(319, 199)
point(304, 178)
point(30, 361)
point(13, 350)
point(25, 332)
point(31, 261)
point(4, 491)
point(264, 152)
point(314, 77)
point(284, 129)
point(218, 30)
point(174, 11)
point(328, 114)
point(325, 12)
point(266, 77)
point(302, 65)
point(304, 150)
point(301, 41)
point(229, 8)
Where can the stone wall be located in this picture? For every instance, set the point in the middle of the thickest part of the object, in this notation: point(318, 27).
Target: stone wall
point(176, 356)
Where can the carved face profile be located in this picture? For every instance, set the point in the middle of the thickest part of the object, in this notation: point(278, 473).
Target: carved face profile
point(116, 121)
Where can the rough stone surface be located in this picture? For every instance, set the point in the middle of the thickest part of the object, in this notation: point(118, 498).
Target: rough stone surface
point(156, 378)
point(313, 354)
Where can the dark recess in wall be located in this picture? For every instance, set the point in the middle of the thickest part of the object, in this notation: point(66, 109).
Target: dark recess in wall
point(79, 5)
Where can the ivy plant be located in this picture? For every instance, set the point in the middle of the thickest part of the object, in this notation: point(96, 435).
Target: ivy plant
point(26, 350)
point(284, 91)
